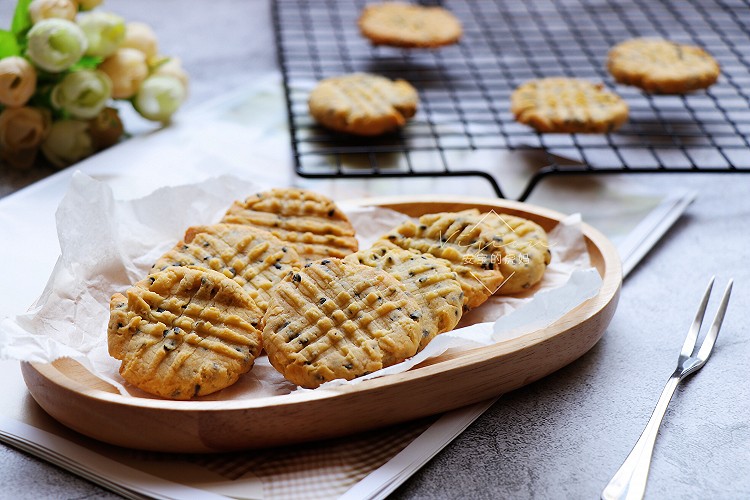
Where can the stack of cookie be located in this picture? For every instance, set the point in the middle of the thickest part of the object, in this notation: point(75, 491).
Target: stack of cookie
point(282, 272)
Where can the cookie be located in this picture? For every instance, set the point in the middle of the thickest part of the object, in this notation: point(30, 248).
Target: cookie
point(363, 104)
point(338, 320)
point(459, 238)
point(661, 66)
point(408, 25)
point(428, 279)
point(184, 332)
point(308, 221)
point(252, 257)
point(568, 105)
point(525, 250)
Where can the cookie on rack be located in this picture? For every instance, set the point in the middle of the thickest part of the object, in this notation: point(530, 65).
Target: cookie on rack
point(408, 25)
point(184, 332)
point(662, 66)
point(308, 221)
point(428, 279)
point(568, 105)
point(252, 257)
point(339, 320)
point(363, 104)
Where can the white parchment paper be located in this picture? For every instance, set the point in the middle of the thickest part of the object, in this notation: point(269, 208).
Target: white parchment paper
point(107, 244)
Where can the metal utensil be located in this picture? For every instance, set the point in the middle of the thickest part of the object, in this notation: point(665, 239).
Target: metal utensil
point(629, 482)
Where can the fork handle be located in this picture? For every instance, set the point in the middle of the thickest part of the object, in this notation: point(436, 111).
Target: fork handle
point(629, 482)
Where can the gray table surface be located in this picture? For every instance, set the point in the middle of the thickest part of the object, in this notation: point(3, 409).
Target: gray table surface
point(565, 435)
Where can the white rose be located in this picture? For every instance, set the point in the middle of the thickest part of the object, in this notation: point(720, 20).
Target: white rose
point(56, 44)
point(22, 130)
point(17, 81)
point(67, 142)
point(159, 97)
point(104, 32)
point(127, 69)
point(140, 36)
point(173, 67)
point(83, 93)
point(52, 9)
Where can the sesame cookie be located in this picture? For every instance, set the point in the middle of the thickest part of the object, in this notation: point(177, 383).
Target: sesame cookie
point(338, 320)
point(662, 66)
point(408, 25)
point(308, 221)
point(427, 278)
point(363, 104)
point(184, 332)
point(252, 257)
point(568, 105)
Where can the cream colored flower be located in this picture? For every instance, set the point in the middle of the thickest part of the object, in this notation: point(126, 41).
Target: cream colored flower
point(141, 37)
point(106, 129)
point(52, 9)
point(56, 44)
point(104, 32)
point(83, 94)
point(67, 142)
point(127, 69)
point(89, 4)
point(173, 67)
point(159, 97)
point(22, 130)
point(17, 81)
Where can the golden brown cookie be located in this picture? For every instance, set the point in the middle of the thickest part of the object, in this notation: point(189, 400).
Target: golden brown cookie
point(338, 320)
point(184, 332)
point(363, 104)
point(427, 278)
point(459, 238)
point(568, 105)
point(252, 257)
point(662, 66)
point(310, 222)
point(408, 25)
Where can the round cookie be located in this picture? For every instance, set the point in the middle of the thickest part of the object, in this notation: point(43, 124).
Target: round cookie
point(568, 105)
point(308, 221)
point(363, 104)
point(252, 257)
point(184, 332)
point(338, 320)
point(662, 66)
point(408, 25)
point(427, 278)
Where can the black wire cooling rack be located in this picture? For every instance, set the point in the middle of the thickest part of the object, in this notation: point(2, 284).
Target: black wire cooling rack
point(464, 121)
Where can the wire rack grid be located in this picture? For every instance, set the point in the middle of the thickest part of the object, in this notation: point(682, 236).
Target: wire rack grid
point(464, 120)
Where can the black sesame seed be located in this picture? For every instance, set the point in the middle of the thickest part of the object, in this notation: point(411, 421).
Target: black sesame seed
point(296, 278)
point(322, 300)
point(415, 315)
point(325, 261)
point(331, 212)
point(277, 265)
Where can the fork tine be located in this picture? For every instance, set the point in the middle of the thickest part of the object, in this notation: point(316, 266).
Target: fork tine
point(713, 332)
point(692, 336)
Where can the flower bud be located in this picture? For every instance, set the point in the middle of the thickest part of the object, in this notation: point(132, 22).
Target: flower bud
point(141, 37)
point(127, 69)
point(67, 142)
point(106, 129)
point(173, 67)
point(22, 130)
point(104, 32)
point(17, 81)
point(159, 97)
point(82, 94)
point(52, 9)
point(56, 44)
point(89, 4)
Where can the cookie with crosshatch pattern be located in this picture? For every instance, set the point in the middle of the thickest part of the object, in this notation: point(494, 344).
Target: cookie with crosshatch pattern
point(338, 320)
point(363, 104)
point(308, 221)
point(662, 66)
point(408, 25)
point(252, 257)
point(184, 332)
point(568, 105)
point(429, 280)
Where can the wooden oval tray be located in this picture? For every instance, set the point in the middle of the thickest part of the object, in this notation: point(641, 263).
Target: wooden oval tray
point(85, 403)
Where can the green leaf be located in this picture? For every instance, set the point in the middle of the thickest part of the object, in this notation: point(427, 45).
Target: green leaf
point(87, 62)
point(21, 18)
point(8, 44)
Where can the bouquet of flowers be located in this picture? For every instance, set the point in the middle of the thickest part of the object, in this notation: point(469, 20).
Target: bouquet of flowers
point(62, 66)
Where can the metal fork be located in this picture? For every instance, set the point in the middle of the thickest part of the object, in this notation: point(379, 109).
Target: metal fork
point(629, 482)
